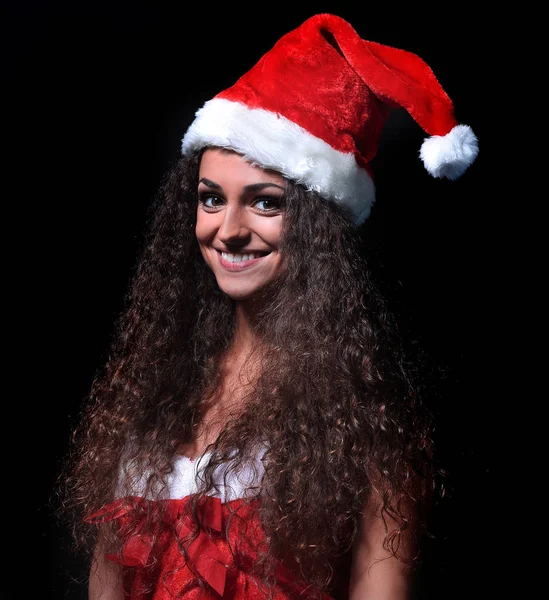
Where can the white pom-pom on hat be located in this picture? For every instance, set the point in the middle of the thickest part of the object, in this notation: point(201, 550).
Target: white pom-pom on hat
point(449, 155)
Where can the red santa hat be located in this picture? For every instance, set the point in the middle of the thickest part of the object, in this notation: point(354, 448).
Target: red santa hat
point(314, 106)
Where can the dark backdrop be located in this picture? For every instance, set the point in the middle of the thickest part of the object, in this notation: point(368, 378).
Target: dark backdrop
point(97, 97)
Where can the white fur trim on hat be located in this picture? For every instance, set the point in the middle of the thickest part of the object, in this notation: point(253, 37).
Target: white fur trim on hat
point(449, 155)
point(273, 142)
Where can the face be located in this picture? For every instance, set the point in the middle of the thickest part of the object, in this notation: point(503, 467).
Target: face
point(239, 222)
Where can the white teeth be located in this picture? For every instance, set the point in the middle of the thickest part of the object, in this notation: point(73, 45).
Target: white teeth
point(235, 258)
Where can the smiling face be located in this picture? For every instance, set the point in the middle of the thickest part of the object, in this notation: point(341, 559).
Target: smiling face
point(239, 222)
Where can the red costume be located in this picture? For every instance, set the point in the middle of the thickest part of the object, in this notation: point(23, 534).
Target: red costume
point(220, 558)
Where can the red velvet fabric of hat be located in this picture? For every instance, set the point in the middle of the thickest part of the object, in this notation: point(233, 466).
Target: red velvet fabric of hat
point(314, 108)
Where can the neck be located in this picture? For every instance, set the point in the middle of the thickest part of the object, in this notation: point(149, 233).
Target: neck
point(244, 334)
point(239, 367)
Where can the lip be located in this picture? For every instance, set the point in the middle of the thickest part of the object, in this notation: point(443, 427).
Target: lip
point(239, 266)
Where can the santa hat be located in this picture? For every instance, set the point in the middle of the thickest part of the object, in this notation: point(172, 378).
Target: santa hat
point(314, 106)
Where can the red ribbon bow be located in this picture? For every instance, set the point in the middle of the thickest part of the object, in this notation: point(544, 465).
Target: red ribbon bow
point(204, 554)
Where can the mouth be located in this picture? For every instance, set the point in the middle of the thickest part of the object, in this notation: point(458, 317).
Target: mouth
point(239, 261)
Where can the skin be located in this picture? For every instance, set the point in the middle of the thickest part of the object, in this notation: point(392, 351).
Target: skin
point(105, 581)
point(239, 213)
point(374, 572)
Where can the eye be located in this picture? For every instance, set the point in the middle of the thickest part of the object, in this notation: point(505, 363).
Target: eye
point(267, 204)
point(211, 201)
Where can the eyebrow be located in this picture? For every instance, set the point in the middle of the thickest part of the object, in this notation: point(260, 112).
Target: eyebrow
point(252, 187)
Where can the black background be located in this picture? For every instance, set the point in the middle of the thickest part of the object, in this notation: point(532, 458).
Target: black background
point(97, 96)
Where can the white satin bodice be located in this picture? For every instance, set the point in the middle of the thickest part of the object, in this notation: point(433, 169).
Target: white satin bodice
point(184, 480)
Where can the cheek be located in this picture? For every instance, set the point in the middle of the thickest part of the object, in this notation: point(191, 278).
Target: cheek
point(202, 230)
point(201, 234)
point(198, 233)
point(272, 232)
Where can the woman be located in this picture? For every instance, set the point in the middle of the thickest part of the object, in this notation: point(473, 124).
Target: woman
point(256, 432)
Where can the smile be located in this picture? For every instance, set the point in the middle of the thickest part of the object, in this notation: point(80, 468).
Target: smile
point(238, 262)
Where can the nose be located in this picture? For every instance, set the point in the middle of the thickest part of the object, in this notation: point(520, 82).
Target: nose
point(234, 229)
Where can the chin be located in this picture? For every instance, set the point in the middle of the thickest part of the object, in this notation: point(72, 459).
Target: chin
point(240, 293)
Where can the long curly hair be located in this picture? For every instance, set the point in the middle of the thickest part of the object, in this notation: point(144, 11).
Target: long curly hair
point(335, 405)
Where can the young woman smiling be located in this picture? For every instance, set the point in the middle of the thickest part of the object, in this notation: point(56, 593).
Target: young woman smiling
point(257, 432)
point(239, 223)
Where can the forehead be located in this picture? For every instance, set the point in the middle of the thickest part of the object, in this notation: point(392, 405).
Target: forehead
point(217, 163)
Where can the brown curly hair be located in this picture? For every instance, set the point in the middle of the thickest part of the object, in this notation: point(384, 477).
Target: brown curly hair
point(335, 405)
